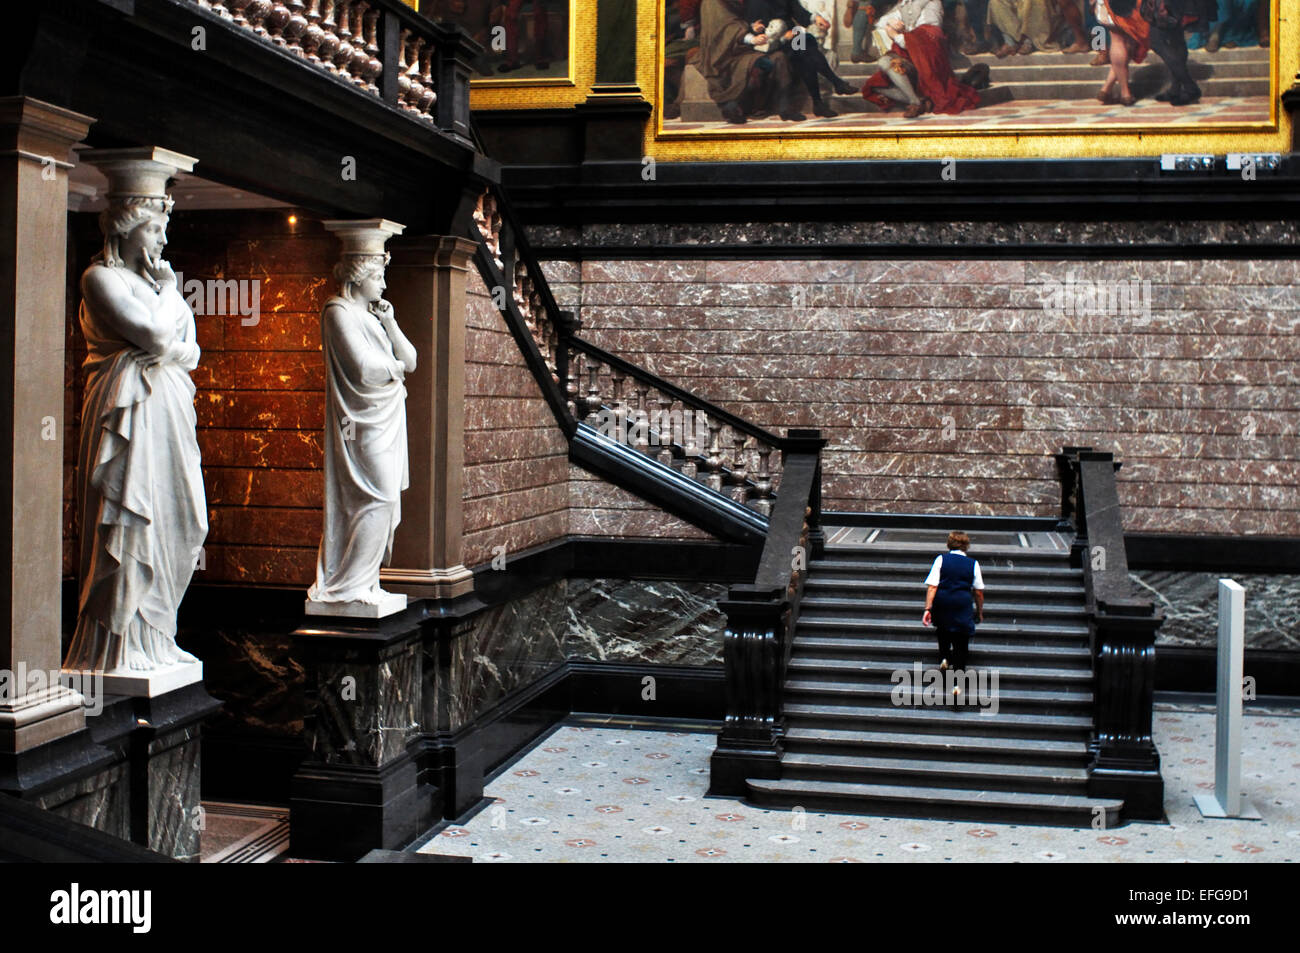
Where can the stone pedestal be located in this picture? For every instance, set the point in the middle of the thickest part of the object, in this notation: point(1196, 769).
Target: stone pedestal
point(426, 284)
point(358, 788)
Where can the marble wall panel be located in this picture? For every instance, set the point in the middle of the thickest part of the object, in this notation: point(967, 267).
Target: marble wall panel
point(101, 801)
point(509, 646)
point(945, 386)
point(365, 713)
point(174, 825)
point(1191, 604)
point(619, 620)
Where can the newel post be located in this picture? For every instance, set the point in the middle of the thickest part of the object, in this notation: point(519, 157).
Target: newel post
point(749, 745)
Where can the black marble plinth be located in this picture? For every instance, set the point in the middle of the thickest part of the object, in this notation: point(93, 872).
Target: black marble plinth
point(359, 786)
point(133, 772)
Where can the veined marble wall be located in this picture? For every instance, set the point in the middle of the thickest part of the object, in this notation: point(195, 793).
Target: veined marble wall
point(612, 620)
point(1191, 604)
point(516, 458)
point(945, 386)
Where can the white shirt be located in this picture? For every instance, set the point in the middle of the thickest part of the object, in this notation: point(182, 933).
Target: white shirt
point(933, 578)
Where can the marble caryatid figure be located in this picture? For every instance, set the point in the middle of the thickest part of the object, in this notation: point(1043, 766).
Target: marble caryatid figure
point(142, 509)
point(366, 467)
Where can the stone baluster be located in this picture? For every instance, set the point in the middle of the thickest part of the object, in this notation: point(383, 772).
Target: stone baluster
point(403, 71)
point(664, 426)
point(641, 442)
point(297, 25)
point(593, 393)
point(416, 95)
point(328, 47)
point(616, 379)
point(256, 14)
point(374, 65)
point(430, 94)
point(343, 55)
point(276, 21)
point(762, 501)
point(739, 474)
point(360, 59)
point(236, 8)
point(690, 441)
point(573, 386)
point(313, 34)
point(713, 459)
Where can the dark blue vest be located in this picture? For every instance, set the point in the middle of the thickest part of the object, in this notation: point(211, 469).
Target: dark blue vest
point(954, 606)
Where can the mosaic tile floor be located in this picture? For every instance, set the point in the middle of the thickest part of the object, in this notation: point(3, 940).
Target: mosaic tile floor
point(588, 793)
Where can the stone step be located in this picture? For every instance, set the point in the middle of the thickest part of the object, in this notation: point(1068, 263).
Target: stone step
point(995, 610)
point(845, 689)
point(943, 721)
point(883, 669)
point(841, 586)
point(1070, 810)
point(810, 623)
point(834, 565)
point(924, 772)
point(989, 748)
point(981, 653)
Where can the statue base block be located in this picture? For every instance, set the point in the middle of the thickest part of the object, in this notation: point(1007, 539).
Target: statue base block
point(151, 684)
point(390, 604)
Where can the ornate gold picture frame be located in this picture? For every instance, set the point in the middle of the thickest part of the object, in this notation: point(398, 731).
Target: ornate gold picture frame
point(1046, 96)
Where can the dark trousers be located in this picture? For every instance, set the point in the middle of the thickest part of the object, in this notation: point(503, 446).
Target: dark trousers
point(953, 645)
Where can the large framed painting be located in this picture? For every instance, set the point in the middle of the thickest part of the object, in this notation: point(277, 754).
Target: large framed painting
point(992, 77)
point(525, 42)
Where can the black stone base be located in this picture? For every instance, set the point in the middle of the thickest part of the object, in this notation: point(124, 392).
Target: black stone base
point(341, 812)
point(132, 773)
point(1143, 792)
point(729, 768)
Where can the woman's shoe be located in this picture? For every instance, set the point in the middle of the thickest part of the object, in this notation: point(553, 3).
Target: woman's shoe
point(1108, 97)
point(1101, 59)
point(1128, 100)
point(943, 666)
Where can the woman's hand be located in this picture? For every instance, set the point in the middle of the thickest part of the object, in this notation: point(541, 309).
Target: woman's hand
point(925, 619)
point(160, 270)
point(822, 22)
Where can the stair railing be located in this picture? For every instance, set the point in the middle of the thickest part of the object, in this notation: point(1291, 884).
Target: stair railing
point(1122, 627)
point(623, 422)
point(761, 620)
point(380, 47)
point(631, 405)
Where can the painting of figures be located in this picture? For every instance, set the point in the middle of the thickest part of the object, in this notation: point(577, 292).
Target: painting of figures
point(793, 67)
point(524, 41)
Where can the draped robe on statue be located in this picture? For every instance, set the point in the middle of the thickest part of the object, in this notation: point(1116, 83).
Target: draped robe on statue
point(143, 511)
point(366, 464)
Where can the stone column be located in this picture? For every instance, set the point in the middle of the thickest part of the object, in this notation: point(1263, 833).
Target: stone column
point(426, 284)
point(34, 707)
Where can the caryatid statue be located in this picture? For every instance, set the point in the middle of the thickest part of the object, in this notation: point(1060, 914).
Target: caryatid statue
point(367, 359)
point(143, 512)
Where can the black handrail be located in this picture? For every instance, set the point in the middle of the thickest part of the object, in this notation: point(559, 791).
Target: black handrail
point(1122, 627)
point(761, 620)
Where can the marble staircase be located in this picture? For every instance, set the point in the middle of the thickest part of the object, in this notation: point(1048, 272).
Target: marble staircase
point(1016, 751)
